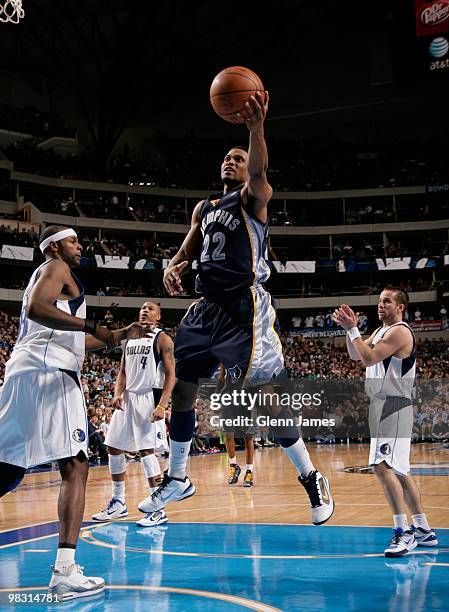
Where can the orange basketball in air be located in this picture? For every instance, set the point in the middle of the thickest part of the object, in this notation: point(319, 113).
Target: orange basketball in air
point(230, 89)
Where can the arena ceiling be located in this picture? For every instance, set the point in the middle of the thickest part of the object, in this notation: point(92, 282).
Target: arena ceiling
point(121, 58)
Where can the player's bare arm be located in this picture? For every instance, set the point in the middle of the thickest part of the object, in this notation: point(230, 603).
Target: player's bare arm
point(186, 254)
point(353, 318)
point(120, 385)
point(166, 350)
point(106, 338)
point(55, 282)
point(257, 191)
point(397, 342)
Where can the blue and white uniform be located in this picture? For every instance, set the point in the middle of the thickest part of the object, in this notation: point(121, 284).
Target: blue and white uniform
point(42, 410)
point(389, 385)
point(131, 429)
point(233, 323)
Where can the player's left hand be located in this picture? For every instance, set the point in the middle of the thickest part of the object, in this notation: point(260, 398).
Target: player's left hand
point(255, 110)
point(345, 317)
point(158, 413)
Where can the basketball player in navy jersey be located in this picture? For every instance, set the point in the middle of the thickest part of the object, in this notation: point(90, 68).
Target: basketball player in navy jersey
point(142, 392)
point(233, 323)
point(42, 411)
point(389, 355)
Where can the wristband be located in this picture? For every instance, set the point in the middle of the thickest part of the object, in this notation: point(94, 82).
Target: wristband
point(353, 333)
point(90, 327)
point(161, 406)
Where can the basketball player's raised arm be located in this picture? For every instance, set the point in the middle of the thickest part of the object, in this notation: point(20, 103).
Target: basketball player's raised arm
point(257, 192)
point(393, 342)
point(186, 254)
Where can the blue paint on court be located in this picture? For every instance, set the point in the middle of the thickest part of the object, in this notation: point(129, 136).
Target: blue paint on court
point(234, 560)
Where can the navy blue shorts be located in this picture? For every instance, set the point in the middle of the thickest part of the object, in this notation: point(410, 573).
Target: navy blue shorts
point(238, 333)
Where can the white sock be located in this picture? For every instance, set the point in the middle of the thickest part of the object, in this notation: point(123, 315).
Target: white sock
point(64, 558)
point(179, 453)
point(400, 521)
point(420, 520)
point(232, 461)
point(249, 466)
point(299, 456)
point(118, 490)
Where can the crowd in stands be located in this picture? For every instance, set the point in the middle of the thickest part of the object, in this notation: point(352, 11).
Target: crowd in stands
point(319, 164)
point(312, 360)
point(30, 120)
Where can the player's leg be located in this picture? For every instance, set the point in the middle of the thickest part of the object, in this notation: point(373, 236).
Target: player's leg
point(249, 451)
point(251, 351)
point(67, 579)
point(234, 469)
point(10, 477)
point(116, 507)
point(424, 534)
point(152, 471)
point(120, 437)
point(194, 361)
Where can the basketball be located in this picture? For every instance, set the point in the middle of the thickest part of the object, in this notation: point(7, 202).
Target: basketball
point(230, 89)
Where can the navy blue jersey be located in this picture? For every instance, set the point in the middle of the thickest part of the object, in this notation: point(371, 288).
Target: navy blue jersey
point(232, 247)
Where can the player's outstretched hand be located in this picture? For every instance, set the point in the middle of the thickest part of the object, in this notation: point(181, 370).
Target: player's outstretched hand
point(255, 110)
point(158, 413)
point(345, 317)
point(172, 278)
point(139, 330)
point(117, 403)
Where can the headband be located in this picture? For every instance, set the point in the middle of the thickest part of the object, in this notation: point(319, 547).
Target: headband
point(56, 237)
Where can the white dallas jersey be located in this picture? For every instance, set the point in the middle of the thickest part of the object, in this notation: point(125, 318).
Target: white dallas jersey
point(40, 348)
point(394, 376)
point(143, 365)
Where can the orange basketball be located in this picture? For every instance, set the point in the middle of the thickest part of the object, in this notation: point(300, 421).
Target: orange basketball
point(230, 89)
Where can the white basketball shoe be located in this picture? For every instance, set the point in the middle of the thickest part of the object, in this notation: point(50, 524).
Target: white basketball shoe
point(152, 519)
point(114, 510)
point(170, 490)
point(71, 583)
point(321, 503)
point(401, 543)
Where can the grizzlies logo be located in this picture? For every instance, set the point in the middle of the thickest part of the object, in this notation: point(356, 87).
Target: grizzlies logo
point(234, 373)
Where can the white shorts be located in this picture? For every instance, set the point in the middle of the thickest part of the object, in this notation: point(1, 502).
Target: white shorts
point(392, 443)
point(42, 418)
point(131, 429)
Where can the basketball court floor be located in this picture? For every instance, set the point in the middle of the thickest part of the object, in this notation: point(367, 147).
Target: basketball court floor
point(231, 548)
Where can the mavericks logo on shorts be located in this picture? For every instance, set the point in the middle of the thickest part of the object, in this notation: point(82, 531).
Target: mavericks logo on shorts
point(385, 449)
point(159, 435)
point(78, 435)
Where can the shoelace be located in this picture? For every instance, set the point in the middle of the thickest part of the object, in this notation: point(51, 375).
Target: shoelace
point(248, 476)
point(165, 482)
point(313, 492)
point(232, 471)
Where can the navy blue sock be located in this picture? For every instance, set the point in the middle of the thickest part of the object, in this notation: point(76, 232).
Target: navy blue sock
point(182, 425)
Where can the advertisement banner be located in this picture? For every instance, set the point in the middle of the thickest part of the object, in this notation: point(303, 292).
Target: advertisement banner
point(432, 17)
point(435, 325)
point(313, 332)
point(17, 252)
point(432, 30)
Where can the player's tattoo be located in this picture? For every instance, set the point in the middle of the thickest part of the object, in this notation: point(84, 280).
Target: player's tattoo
point(170, 354)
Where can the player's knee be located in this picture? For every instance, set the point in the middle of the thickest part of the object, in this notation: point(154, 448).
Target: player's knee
point(183, 396)
point(10, 477)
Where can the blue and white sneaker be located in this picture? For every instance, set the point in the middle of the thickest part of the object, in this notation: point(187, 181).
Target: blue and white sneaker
point(114, 510)
point(424, 537)
point(152, 519)
point(401, 543)
point(171, 489)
